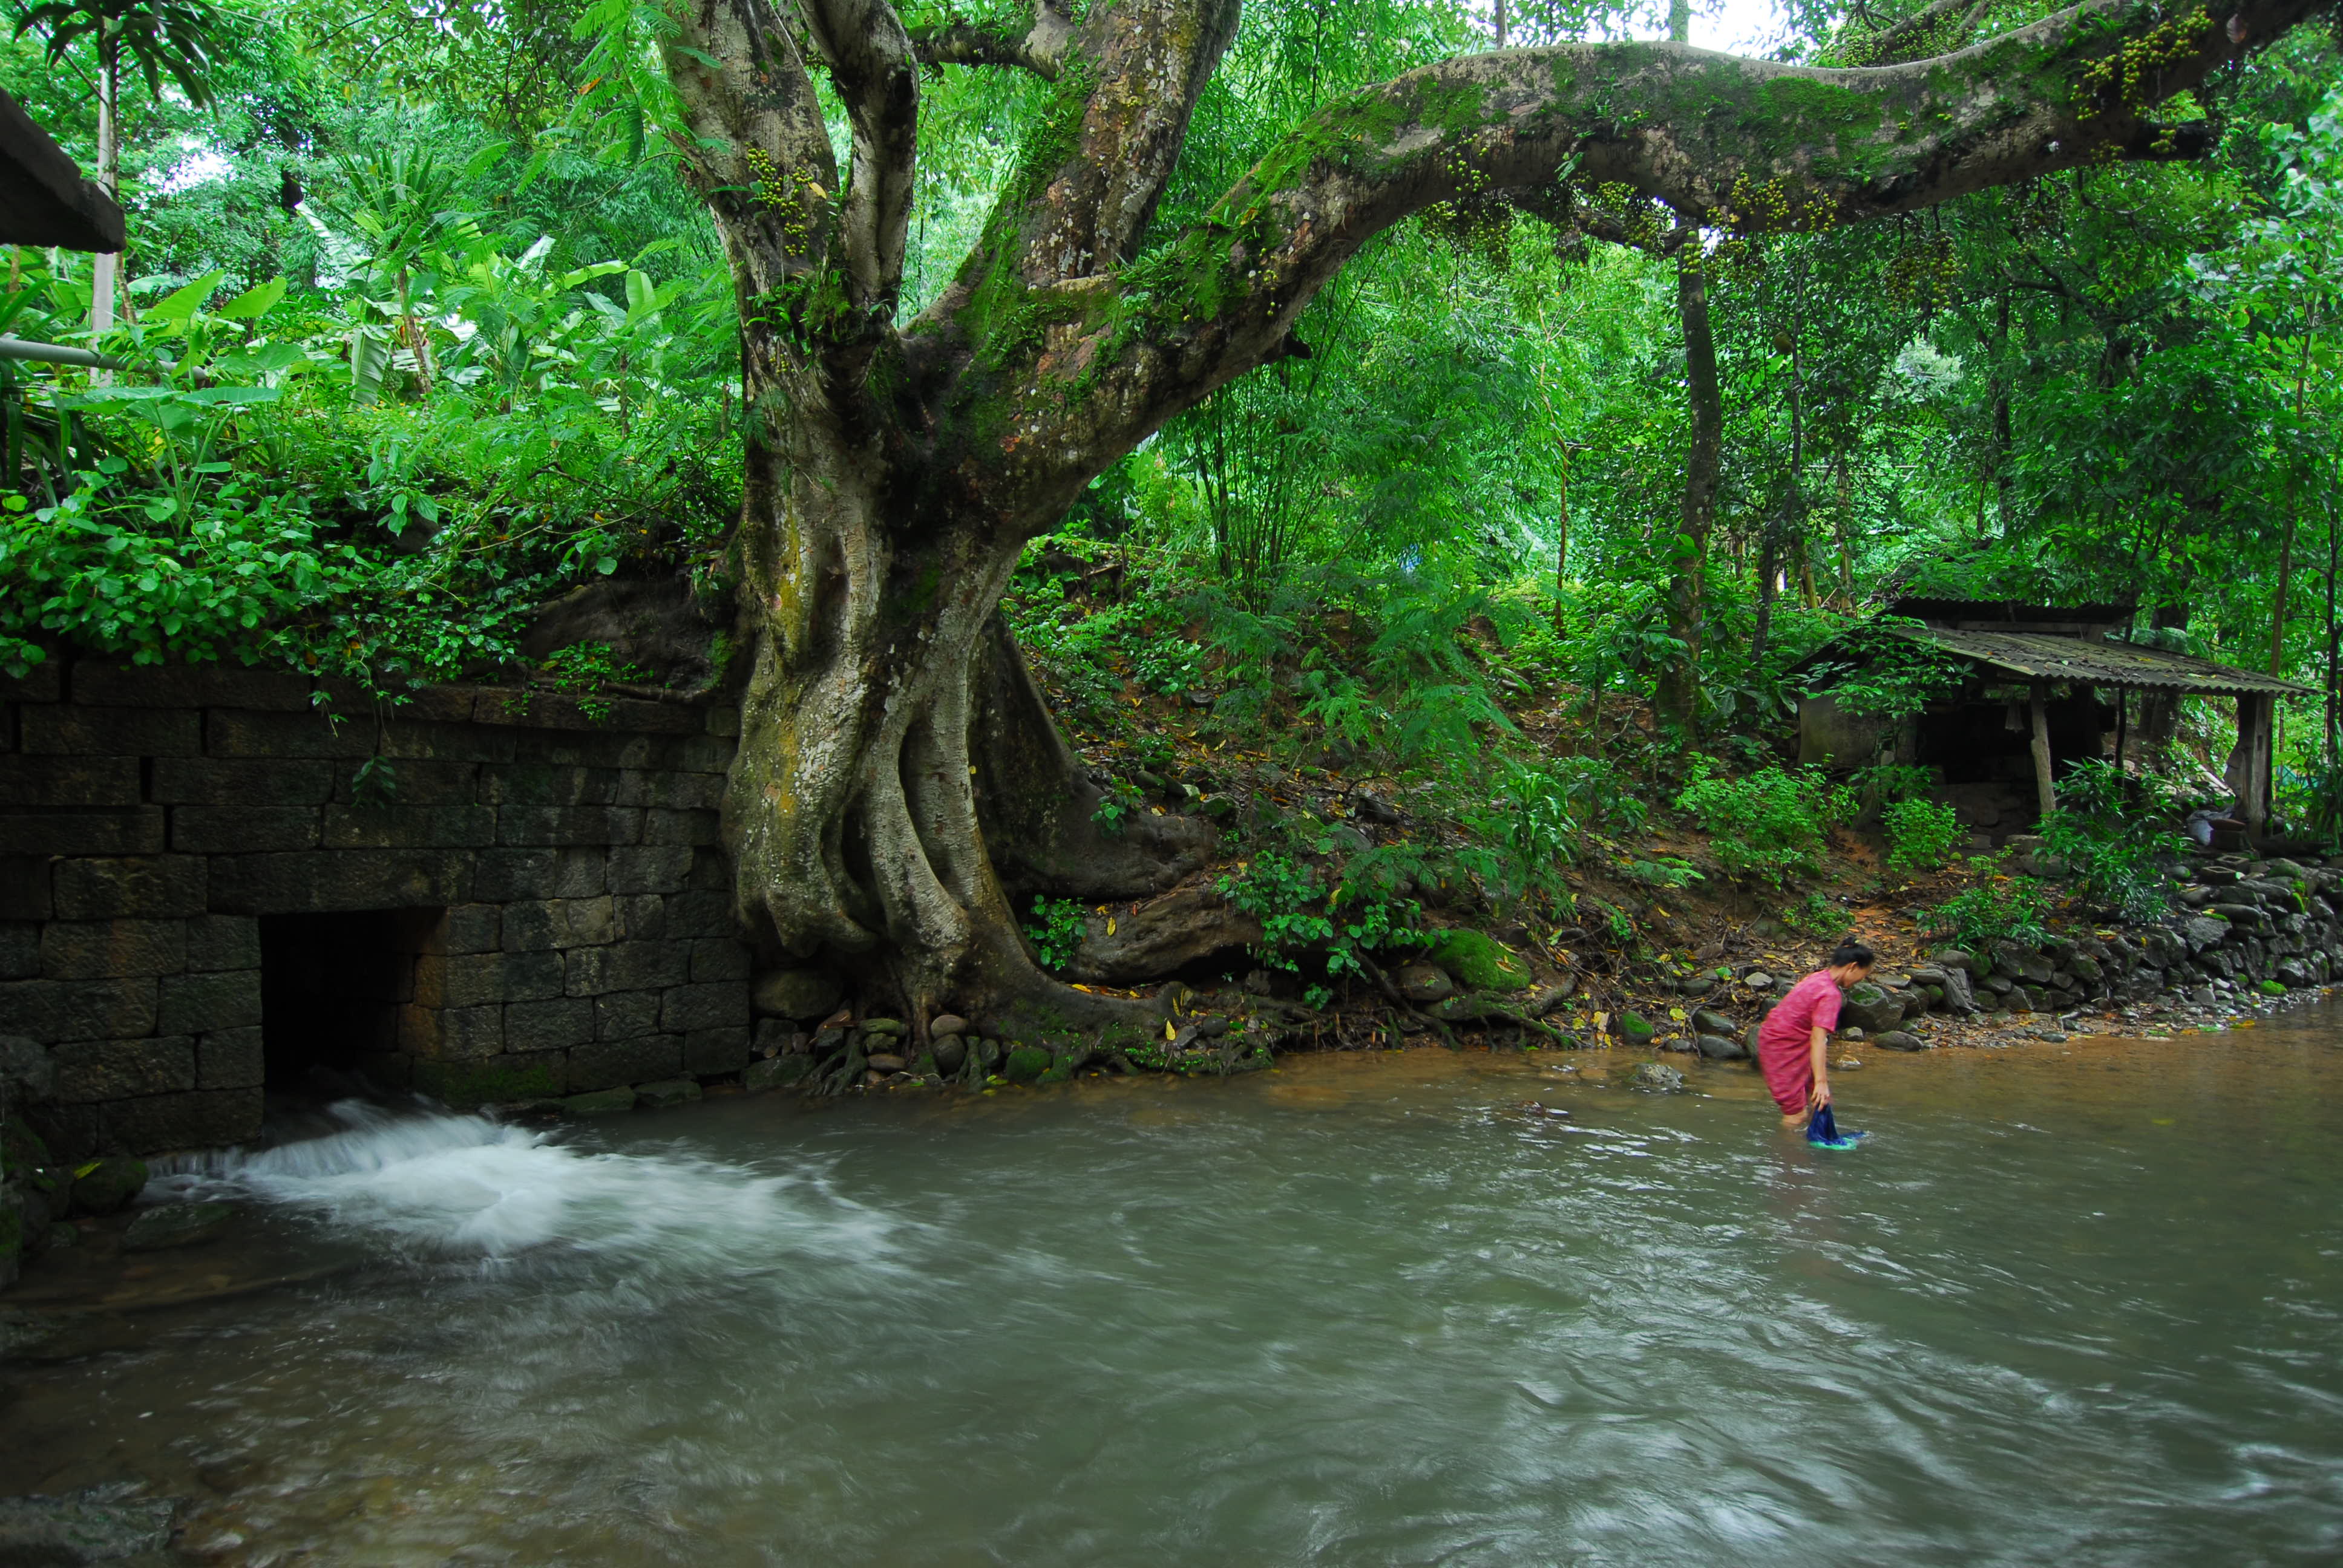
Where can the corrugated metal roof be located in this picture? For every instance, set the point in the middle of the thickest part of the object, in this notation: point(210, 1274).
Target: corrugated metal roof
point(2040, 656)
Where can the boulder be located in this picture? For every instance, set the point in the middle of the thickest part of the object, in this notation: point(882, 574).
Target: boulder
point(100, 1525)
point(1422, 983)
point(1870, 1009)
point(797, 993)
point(1899, 1040)
point(1958, 998)
point(667, 1092)
point(1025, 1064)
point(1479, 961)
point(1635, 1029)
point(107, 1186)
point(778, 1073)
point(602, 1102)
point(1710, 1021)
point(1759, 980)
point(1721, 1048)
point(945, 1023)
point(1657, 1078)
point(1163, 935)
point(951, 1053)
point(176, 1225)
point(2201, 932)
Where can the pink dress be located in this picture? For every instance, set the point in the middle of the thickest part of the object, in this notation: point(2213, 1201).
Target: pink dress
point(1786, 1039)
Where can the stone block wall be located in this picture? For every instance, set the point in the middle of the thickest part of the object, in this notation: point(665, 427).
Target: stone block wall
point(546, 908)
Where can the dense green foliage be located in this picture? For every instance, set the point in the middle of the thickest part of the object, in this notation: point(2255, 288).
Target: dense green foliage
point(425, 328)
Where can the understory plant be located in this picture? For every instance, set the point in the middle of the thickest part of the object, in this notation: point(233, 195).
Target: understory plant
point(2106, 836)
point(1769, 824)
point(1922, 835)
point(2000, 907)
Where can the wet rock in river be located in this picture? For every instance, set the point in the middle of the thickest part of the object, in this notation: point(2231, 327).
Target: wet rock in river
point(107, 1186)
point(1655, 1078)
point(667, 1092)
point(103, 1524)
point(1900, 1039)
point(1708, 1020)
point(776, 1072)
point(1721, 1048)
point(176, 1225)
point(602, 1102)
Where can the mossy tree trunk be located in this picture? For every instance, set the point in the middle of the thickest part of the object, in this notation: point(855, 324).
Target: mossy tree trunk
point(895, 469)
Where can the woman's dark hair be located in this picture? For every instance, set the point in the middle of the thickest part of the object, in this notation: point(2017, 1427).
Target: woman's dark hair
point(1851, 953)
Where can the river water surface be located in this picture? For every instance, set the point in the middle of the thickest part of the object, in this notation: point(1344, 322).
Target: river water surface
point(2071, 1304)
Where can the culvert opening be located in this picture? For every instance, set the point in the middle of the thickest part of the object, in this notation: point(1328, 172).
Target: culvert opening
point(332, 988)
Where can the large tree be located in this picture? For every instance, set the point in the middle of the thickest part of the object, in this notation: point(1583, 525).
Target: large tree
point(896, 764)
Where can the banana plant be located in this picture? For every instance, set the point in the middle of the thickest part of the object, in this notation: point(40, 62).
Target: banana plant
point(399, 209)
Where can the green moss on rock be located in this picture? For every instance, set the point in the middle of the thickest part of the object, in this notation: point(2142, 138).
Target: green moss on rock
point(1481, 962)
point(107, 1186)
point(1026, 1064)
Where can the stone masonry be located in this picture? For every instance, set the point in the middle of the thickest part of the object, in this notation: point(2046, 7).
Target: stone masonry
point(520, 898)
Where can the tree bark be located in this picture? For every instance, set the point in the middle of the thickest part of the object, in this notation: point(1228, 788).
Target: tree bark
point(106, 266)
point(893, 472)
point(1679, 685)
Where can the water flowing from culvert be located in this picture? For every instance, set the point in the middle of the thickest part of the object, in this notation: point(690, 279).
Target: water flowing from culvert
point(2075, 1303)
point(463, 1186)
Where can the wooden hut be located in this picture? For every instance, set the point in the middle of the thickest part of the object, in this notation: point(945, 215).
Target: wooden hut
point(2045, 686)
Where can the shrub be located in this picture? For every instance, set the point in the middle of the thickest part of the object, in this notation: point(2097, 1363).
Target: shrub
point(1816, 916)
point(1922, 835)
point(1999, 907)
point(2108, 846)
point(1359, 916)
point(1768, 824)
point(1056, 932)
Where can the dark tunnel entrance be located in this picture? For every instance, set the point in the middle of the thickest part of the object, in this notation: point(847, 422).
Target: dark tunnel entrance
point(331, 988)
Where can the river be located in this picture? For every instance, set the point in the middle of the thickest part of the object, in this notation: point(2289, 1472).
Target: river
point(2070, 1303)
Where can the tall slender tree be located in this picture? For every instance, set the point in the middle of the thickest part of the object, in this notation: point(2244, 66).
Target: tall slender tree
point(177, 38)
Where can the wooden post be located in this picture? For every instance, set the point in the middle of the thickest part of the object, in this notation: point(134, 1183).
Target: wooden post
point(2249, 772)
point(2123, 717)
point(2045, 795)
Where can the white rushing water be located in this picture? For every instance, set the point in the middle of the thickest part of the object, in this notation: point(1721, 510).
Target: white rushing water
point(433, 1181)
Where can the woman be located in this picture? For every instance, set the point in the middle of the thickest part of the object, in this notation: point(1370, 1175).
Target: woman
point(1794, 1042)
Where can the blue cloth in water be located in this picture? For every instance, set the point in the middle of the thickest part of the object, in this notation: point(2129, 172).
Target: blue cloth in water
point(1822, 1130)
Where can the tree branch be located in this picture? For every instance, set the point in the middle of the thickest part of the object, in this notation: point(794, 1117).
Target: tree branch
point(871, 64)
point(757, 147)
point(1750, 145)
point(1040, 47)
